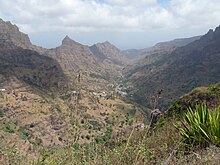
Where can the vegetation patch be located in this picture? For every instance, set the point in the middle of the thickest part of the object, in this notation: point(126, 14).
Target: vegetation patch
point(10, 127)
point(201, 126)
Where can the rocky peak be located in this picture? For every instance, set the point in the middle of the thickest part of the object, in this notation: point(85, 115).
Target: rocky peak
point(10, 32)
point(217, 31)
point(107, 45)
point(67, 41)
point(106, 50)
point(211, 34)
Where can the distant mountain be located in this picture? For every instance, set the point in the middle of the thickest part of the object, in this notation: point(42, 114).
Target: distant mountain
point(107, 51)
point(169, 46)
point(176, 72)
point(72, 55)
point(102, 60)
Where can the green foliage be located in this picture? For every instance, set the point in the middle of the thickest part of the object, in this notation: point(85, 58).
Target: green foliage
point(214, 87)
point(24, 134)
point(88, 137)
point(210, 95)
point(132, 112)
point(201, 127)
point(9, 127)
point(95, 125)
point(105, 137)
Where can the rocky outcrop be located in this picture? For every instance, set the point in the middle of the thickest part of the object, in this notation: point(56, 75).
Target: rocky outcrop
point(9, 32)
point(155, 116)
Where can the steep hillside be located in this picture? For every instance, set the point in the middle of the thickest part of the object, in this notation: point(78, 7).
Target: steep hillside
point(59, 97)
point(176, 72)
point(161, 47)
point(209, 95)
point(9, 32)
point(73, 56)
point(29, 67)
point(140, 145)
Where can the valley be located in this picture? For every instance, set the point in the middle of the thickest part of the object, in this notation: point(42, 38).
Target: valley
point(72, 102)
point(66, 101)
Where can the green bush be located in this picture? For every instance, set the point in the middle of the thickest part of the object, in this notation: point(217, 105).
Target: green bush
point(105, 137)
point(214, 87)
point(9, 127)
point(88, 137)
point(201, 127)
point(24, 134)
point(132, 112)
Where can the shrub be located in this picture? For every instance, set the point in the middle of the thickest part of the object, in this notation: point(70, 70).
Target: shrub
point(25, 134)
point(88, 137)
point(9, 127)
point(201, 127)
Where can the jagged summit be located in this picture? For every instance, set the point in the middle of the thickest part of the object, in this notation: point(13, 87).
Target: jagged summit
point(68, 41)
point(11, 33)
point(217, 31)
point(106, 44)
point(211, 34)
point(106, 50)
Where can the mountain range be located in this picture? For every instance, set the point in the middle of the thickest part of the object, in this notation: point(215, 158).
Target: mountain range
point(175, 66)
point(175, 72)
point(80, 103)
point(54, 97)
point(169, 46)
point(101, 60)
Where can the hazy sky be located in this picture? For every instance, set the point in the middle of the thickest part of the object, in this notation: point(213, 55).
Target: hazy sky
point(125, 23)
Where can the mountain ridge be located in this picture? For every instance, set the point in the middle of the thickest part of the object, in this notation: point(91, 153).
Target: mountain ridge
point(176, 72)
point(160, 47)
point(73, 56)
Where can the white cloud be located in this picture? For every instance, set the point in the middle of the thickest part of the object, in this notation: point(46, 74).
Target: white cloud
point(196, 13)
point(116, 15)
point(71, 16)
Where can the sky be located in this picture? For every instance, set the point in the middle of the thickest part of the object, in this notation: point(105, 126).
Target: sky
point(125, 23)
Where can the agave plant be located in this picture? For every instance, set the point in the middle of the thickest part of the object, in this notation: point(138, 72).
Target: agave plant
point(201, 126)
point(215, 127)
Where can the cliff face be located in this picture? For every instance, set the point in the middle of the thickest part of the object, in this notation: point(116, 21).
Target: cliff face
point(19, 59)
point(9, 32)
